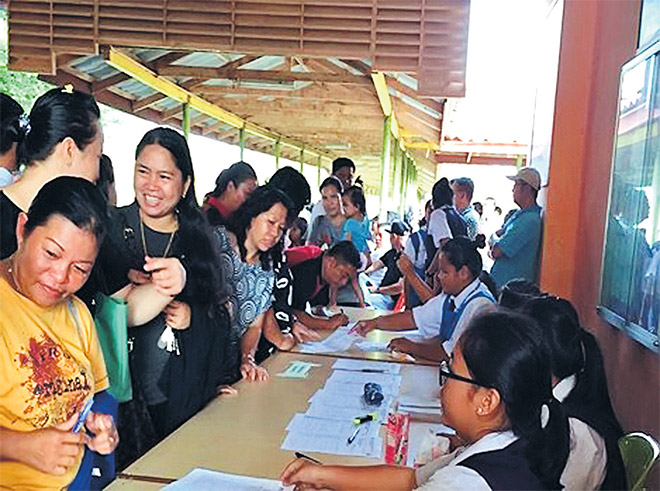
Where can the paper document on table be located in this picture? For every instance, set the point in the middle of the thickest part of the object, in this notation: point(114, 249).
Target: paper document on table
point(362, 446)
point(367, 366)
point(298, 369)
point(345, 413)
point(361, 378)
point(340, 340)
point(342, 399)
point(420, 405)
point(341, 389)
point(206, 479)
point(306, 425)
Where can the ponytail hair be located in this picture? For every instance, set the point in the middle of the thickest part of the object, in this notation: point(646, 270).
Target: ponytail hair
point(56, 115)
point(205, 283)
point(11, 130)
point(236, 173)
point(356, 195)
point(462, 251)
point(505, 350)
point(574, 351)
point(442, 194)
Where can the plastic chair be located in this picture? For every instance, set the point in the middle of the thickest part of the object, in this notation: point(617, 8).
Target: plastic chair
point(639, 452)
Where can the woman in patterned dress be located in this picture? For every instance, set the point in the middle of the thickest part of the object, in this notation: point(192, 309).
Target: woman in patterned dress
point(247, 246)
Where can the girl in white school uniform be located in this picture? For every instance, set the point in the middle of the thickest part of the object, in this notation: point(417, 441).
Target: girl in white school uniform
point(581, 386)
point(443, 318)
point(497, 394)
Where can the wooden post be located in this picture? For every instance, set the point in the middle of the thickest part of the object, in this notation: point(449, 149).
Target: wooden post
point(241, 140)
point(278, 149)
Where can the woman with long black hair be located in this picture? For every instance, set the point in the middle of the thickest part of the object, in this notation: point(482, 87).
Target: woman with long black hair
point(61, 137)
point(249, 247)
point(497, 394)
point(580, 384)
point(162, 240)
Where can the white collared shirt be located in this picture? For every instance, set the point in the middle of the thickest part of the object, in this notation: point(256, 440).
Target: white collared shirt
point(587, 459)
point(428, 317)
point(444, 473)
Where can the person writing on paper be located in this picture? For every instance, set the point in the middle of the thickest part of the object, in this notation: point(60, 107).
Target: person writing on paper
point(51, 362)
point(247, 247)
point(313, 278)
point(443, 318)
point(496, 393)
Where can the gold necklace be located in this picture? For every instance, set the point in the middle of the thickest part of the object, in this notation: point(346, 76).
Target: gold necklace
point(144, 240)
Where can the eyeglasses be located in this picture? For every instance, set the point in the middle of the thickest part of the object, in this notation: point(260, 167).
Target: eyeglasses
point(445, 373)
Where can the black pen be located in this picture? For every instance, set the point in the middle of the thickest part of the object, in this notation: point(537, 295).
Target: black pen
point(300, 455)
point(353, 436)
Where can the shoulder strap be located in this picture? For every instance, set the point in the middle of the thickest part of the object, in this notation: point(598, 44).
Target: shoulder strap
point(76, 319)
point(415, 242)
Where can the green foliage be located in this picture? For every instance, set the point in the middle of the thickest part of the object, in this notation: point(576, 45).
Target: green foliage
point(24, 87)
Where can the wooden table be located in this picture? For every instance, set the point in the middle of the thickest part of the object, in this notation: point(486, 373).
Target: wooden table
point(378, 336)
point(243, 434)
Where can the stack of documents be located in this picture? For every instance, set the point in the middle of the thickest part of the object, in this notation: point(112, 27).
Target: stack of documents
point(327, 425)
point(205, 479)
point(420, 405)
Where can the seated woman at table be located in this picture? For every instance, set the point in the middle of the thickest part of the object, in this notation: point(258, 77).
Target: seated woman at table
point(496, 393)
point(247, 247)
point(443, 318)
point(580, 385)
point(51, 362)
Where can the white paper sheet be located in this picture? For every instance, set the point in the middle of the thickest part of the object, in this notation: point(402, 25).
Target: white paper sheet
point(325, 427)
point(338, 341)
point(362, 446)
point(345, 413)
point(367, 366)
point(387, 381)
point(198, 479)
point(333, 398)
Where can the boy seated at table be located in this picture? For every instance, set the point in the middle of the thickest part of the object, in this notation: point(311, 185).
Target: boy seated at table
point(313, 278)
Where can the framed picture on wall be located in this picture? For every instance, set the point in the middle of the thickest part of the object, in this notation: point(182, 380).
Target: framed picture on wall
point(649, 25)
point(630, 282)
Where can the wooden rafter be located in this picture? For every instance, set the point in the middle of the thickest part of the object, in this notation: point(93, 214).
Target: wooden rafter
point(275, 75)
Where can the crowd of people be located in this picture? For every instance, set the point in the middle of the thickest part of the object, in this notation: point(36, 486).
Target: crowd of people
point(213, 290)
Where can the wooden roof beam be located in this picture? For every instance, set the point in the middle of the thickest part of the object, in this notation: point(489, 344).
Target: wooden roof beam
point(275, 75)
point(98, 86)
point(244, 60)
point(138, 71)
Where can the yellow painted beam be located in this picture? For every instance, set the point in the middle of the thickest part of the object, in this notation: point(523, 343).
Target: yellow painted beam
point(126, 64)
point(380, 84)
point(423, 145)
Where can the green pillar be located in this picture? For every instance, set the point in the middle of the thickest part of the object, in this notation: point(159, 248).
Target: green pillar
point(385, 167)
point(396, 174)
point(402, 192)
point(185, 123)
point(278, 149)
point(241, 140)
point(302, 159)
point(318, 172)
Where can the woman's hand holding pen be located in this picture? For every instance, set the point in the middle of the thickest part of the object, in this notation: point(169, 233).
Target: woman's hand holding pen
point(402, 345)
point(303, 474)
point(365, 327)
point(105, 437)
point(303, 334)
